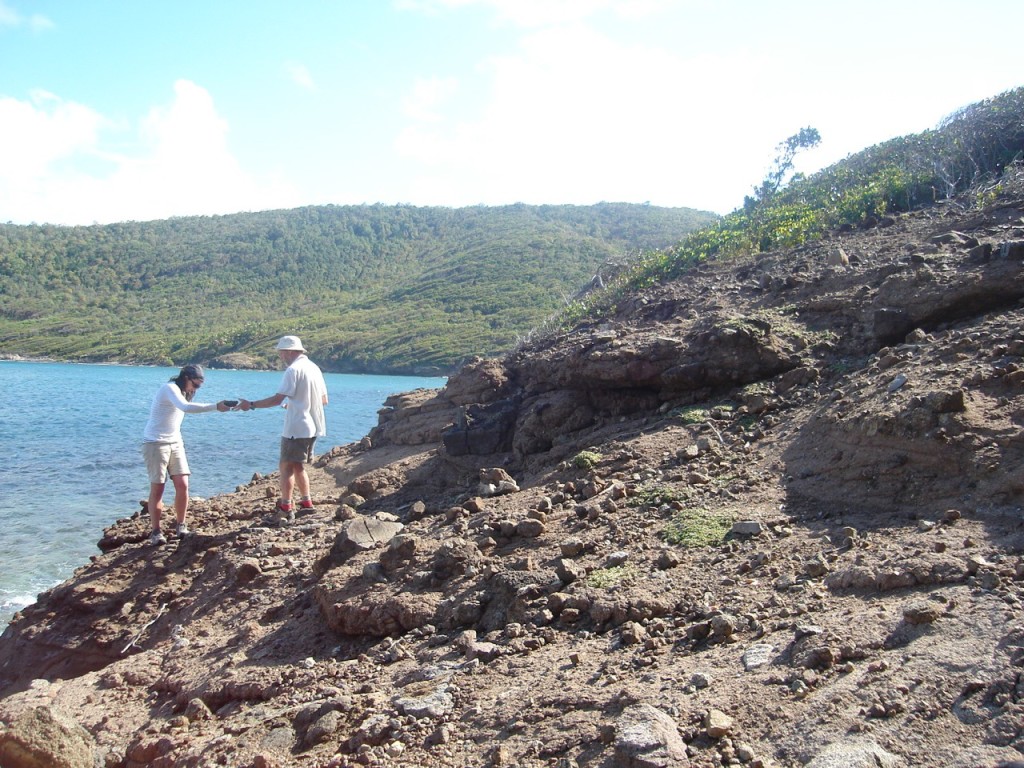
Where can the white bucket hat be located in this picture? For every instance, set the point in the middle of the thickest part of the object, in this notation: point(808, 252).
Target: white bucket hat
point(290, 343)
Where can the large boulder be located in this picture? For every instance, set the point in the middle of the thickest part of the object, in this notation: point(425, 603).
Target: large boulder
point(42, 738)
point(648, 738)
point(482, 430)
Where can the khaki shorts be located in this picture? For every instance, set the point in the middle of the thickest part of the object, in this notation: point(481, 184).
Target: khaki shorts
point(297, 449)
point(165, 459)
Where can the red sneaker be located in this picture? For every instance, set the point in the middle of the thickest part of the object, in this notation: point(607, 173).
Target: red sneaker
point(306, 503)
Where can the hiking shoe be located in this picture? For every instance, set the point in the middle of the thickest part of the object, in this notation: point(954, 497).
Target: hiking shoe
point(306, 504)
point(283, 512)
point(183, 529)
point(156, 538)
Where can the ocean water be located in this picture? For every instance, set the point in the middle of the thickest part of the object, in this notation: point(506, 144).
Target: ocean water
point(71, 460)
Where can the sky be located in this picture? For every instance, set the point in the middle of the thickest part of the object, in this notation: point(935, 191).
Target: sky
point(133, 110)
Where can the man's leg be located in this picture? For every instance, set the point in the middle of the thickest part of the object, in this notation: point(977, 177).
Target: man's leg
point(286, 482)
point(302, 478)
point(301, 481)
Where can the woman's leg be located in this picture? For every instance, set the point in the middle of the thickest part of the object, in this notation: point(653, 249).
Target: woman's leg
point(180, 497)
point(155, 504)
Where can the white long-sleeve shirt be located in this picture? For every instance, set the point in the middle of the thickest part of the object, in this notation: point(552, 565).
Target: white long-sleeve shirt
point(167, 412)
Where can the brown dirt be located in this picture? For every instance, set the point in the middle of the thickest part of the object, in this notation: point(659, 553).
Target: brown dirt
point(851, 409)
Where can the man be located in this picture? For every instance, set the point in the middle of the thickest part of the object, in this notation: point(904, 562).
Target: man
point(304, 388)
point(164, 449)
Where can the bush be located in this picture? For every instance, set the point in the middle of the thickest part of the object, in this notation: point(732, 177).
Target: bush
point(973, 146)
point(586, 459)
point(697, 528)
point(605, 578)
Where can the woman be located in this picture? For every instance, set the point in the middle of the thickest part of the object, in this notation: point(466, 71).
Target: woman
point(164, 449)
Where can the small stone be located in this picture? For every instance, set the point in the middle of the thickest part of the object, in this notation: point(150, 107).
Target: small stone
point(976, 563)
point(921, 613)
point(616, 559)
point(632, 633)
point(816, 567)
point(897, 383)
point(197, 710)
point(807, 630)
point(717, 724)
point(571, 547)
point(668, 559)
point(748, 528)
point(700, 680)
point(529, 528)
point(757, 656)
point(247, 570)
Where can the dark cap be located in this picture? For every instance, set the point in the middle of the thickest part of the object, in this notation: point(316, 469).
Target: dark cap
point(193, 371)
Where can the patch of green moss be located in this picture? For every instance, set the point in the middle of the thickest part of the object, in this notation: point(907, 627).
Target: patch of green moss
point(656, 495)
point(697, 528)
point(693, 414)
point(605, 578)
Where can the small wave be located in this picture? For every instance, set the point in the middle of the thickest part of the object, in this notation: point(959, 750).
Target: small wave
point(15, 602)
point(10, 605)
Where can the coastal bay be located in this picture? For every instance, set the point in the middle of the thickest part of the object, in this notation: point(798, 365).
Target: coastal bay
point(71, 436)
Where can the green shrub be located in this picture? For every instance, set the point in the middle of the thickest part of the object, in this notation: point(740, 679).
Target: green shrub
point(586, 459)
point(972, 147)
point(656, 495)
point(693, 414)
point(605, 578)
point(697, 528)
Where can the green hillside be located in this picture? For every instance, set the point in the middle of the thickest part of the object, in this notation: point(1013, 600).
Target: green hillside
point(971, 150)
point(369, 288)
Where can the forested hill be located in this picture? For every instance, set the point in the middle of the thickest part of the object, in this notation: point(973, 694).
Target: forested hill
point(397, 289)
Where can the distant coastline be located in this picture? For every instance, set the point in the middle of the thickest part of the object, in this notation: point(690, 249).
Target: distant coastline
point(7, 357)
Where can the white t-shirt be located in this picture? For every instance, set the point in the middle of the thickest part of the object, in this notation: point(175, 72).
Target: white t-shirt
point(167, 412)
point(304, 386)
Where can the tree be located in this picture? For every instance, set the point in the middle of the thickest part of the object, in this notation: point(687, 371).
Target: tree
point(806, 138)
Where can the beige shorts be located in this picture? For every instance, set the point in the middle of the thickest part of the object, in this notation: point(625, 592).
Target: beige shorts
point(297, 449)
point(165, 459)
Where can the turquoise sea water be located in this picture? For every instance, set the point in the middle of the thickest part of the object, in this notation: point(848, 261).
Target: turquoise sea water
point(71, 461)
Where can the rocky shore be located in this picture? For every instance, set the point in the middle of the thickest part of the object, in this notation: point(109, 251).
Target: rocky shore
point(766, 515)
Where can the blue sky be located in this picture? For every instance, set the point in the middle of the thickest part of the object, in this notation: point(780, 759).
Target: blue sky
point(116, 110)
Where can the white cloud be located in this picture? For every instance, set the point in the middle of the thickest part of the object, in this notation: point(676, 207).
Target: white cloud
point(567, 113)
point(300, 75)
point(541, 13)
point(37, 22)
point(9, 17)
point(574, 116)
point(37, 133)
point(52, 158)
point(428, 96)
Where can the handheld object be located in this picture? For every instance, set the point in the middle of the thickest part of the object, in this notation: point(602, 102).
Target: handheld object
point(231, 403)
